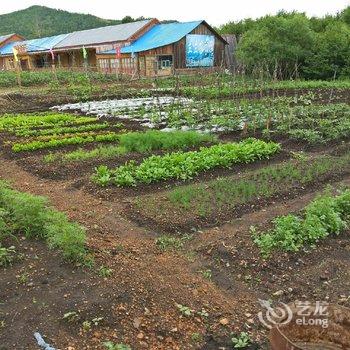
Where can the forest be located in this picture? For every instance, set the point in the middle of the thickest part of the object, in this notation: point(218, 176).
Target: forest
point(41, 21)
point(292, 45)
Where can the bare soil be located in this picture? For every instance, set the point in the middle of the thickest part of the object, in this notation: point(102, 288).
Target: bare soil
point(138, 300)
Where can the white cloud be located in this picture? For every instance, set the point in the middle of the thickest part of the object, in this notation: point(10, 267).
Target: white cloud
point(215, 12)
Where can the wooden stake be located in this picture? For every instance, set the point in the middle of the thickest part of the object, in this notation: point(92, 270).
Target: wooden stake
point(18, 73)
point(53, 67)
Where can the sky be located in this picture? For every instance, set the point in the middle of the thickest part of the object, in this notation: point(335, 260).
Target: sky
point(215, 12)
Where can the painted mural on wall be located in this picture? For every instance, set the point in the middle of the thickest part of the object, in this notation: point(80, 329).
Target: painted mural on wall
point(200, 50)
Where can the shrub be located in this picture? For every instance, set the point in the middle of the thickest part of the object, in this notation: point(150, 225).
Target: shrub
point(324, 216)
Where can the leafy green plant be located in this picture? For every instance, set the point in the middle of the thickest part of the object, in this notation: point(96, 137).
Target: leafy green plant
point(86, 326)
point(185, 310)
point(185, 165)
point(241, 341)
point(63, 130)
point(324, 216)
point(71, 316)
point(105, 272)
point(7, 256)
point(112, 346)
point(23, 122)
point(103, 176)
point(23, 277)
point(196, 337)
point(203, 313)
point(207, 274)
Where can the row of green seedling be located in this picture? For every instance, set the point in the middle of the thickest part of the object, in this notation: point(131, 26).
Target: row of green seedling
point(186, 165)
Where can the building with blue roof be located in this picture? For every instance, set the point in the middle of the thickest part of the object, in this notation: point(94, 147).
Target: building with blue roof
point(143, 48)
point(167, 48)
point(26, 49)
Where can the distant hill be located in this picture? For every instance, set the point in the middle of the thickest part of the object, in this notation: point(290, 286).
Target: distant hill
point(41, 21)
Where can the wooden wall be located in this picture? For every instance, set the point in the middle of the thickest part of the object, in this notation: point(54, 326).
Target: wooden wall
point(178, 51)
point(180, 48)
point(11, 39)
point(4, 65)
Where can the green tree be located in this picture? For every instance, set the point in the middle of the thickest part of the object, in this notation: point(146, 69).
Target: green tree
point(279, 44)
point(127, 19)
point(330, 55)
point(345, 15)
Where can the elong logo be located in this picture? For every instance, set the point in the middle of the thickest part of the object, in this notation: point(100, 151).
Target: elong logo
point(303, 313)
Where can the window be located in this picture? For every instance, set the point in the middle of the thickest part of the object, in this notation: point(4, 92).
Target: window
point(11, 63)
point(165, 62)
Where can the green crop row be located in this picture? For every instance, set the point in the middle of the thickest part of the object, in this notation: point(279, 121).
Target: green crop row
point(25, 214)
point(8, 79)
point(79, 155)
point(264, 182)
point(26, 121)
point(316, 123)
point(67, 136)
point(254, 86)
point(186, 165)
point(221, 196)
point(140, 142)
point(324, 216)
point(143, 142)
point(63, 130)
point(76, 140)
point(297, 117)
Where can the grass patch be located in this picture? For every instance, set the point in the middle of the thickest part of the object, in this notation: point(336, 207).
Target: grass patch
point(168, 242)
point(265, 182)
point(23, 213)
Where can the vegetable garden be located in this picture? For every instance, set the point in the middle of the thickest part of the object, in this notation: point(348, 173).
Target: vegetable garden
point(239, 183)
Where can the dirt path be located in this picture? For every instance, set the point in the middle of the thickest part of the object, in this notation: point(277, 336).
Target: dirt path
point(147, 278)
point(323, 272)
point(138, 300)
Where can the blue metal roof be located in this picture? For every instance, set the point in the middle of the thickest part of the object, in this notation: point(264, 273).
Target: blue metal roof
point(41, 44)
point(159, 35)
point(5, 37)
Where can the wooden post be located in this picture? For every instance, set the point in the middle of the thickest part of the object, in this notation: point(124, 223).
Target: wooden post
point(121, 67)
point(137, 66)
point(117, 68)
point(53, 67)
point(18, 73)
